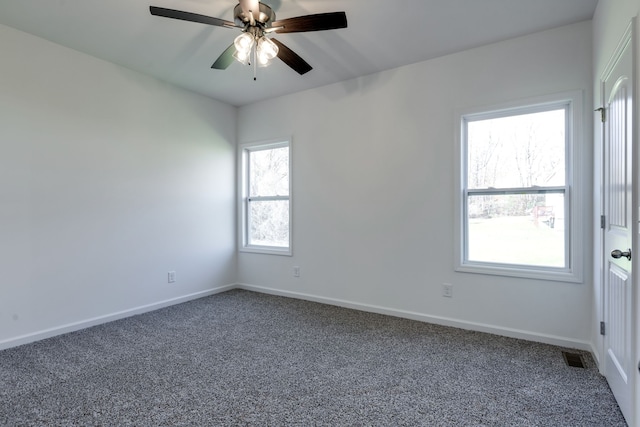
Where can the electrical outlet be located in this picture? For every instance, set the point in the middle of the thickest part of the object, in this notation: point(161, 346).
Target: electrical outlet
point(171, 277)
point(296, 271)
point(447, 290)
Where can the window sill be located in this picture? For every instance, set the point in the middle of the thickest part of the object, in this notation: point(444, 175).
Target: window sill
point(267, 250)
point(520, 272)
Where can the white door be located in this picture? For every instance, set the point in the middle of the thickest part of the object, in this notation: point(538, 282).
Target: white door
point(618, 116)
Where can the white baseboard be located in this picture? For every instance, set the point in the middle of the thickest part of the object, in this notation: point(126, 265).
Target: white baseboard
point(595, 352)
point(444, 321)
point(75, 326)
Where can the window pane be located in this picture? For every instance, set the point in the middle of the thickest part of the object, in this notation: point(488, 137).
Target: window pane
point(269, 223)
point(269, 172)
point(524, 150)
point(524, 229)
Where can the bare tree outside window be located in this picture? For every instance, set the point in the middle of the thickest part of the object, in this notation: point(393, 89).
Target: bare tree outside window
point(515, 192)
point(267, 201)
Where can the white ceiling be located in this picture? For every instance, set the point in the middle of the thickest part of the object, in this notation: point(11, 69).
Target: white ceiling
point(381, 34)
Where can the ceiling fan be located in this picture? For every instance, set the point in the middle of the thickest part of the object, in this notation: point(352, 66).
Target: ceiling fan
point(257, 20)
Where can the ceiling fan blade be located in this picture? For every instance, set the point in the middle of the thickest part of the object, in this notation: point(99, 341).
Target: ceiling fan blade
point(250, 5)
point(226, 59)
point(292, 59)
point(318, 22)
point(188, 16)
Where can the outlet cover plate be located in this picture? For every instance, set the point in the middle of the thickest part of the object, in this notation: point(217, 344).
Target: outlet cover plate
point(447, 290)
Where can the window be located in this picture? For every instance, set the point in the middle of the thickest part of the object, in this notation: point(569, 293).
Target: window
point(516, 207)
point(266, 198)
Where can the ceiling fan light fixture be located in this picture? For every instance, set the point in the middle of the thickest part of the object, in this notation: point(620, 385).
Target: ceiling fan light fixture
point(266, 51)
point(263, 61)
point(267, 48)
point(243, 43)
point(242, 56)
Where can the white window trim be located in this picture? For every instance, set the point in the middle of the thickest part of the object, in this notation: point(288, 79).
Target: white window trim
point(573, 193)
point(243, 191)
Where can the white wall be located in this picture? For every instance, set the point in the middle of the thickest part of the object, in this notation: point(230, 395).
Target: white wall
point(373, 194)
point(108, 180)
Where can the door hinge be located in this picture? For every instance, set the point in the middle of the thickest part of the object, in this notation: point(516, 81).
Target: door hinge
point(603, 221)
point(603, 114)
point(602, 328)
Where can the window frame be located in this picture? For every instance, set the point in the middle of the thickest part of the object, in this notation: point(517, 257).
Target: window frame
point(244, 200)
point(574, 226)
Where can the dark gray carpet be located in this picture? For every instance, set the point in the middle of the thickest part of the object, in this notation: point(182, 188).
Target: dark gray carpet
point(242, 358)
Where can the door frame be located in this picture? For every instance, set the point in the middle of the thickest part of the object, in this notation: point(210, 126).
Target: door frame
point(631, 33)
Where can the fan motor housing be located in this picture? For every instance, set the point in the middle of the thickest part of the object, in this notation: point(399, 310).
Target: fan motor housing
point(265, 16)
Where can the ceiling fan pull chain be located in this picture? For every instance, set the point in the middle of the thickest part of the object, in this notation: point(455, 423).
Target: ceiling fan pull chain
point(255, 64)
